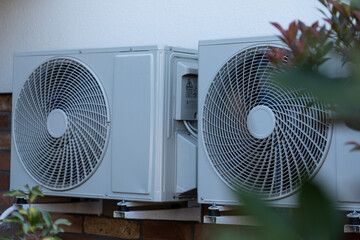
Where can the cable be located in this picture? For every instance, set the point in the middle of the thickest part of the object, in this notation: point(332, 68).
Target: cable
point(190, 128)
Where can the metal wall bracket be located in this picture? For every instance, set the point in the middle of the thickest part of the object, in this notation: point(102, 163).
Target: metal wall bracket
point(243, 220)
point(158, 211)
point(348, 228)
point(93, 207)
point(180, 214)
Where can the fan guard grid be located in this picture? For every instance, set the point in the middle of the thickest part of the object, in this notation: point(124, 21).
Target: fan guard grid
point(276, 165)
point(65, 85)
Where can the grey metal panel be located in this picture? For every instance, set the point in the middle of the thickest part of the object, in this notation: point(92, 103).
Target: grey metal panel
point(156, 178)
point(53, 52)
point(347, 165)
point(133, 107)
point(88, 50)
point(338, 175)
point(259, 39)
point(186, 151)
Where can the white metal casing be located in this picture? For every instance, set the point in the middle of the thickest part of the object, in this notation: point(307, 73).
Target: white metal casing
point(140, 87)
point(338, 174)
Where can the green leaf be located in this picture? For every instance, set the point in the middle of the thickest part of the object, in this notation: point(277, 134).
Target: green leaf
point(51, 238)
point(18, 215)
point(27, 187)
point(26, 227)
point(40, 225)
point(59, 230)
point(37, 190)
point(328, 47)
point(34, 193)
point(32, 197)
point(15, 193)
point(22, 211)
point(274, 226)
point(47, 218)
point(62, 221)
point(46, 231)
point(316, 217)
point(12, 219)
point(34, 215)
point(353, 124)
point(6, 238)
point(32, 228)
point(56, 229)
point(340, 92)
point(246, 233)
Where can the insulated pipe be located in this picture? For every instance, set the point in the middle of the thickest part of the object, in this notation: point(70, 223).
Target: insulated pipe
point(8, 211)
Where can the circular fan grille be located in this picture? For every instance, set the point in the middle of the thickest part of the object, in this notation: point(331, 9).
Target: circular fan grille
point(259, 137)
point(61, 124)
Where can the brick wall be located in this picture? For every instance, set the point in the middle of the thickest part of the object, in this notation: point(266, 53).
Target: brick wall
point(106, 228)
point(5, 143)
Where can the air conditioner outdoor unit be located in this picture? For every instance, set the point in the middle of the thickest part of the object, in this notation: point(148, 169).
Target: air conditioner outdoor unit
point(105, 123)
point(257, 137)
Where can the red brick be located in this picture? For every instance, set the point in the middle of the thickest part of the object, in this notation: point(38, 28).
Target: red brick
point(166, 230)
point(5, 161)
point(5, 200)
point(5, 102)
point(351, 236)
point(74, 237)
point(5, 141)
point(4, 181)
point(4, 121)
point(52, 199)
point(111, 227)
point(76, 222)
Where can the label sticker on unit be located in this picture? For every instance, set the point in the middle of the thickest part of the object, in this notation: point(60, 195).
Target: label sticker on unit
point(191, 87)
point(187, 98)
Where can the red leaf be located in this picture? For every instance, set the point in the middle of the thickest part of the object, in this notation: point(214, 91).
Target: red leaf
point(356, 146)
point(338, 7)
point(352, 143)
point(302, 26)
point(279, 28)
point(301, 46)
point(275, 55)
point(315, 25)
point(315, 33)
point(280, 53)
point(356, 14)
point(328, 20)
point(292, 32)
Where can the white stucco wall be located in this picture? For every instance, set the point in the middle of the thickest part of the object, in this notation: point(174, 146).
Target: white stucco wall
point(57, 24)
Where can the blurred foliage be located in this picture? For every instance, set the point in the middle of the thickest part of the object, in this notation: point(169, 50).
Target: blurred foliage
point(323, 59)
point(36, 224)
point(308, 46)
point(314, 219)
point(305, 62)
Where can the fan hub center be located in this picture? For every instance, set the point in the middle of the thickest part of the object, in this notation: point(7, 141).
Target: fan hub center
point(261, 122)
point(57, 123)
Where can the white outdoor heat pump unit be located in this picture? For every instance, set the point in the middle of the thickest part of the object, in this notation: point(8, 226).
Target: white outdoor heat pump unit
point(105, 123)
point(259, 138)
